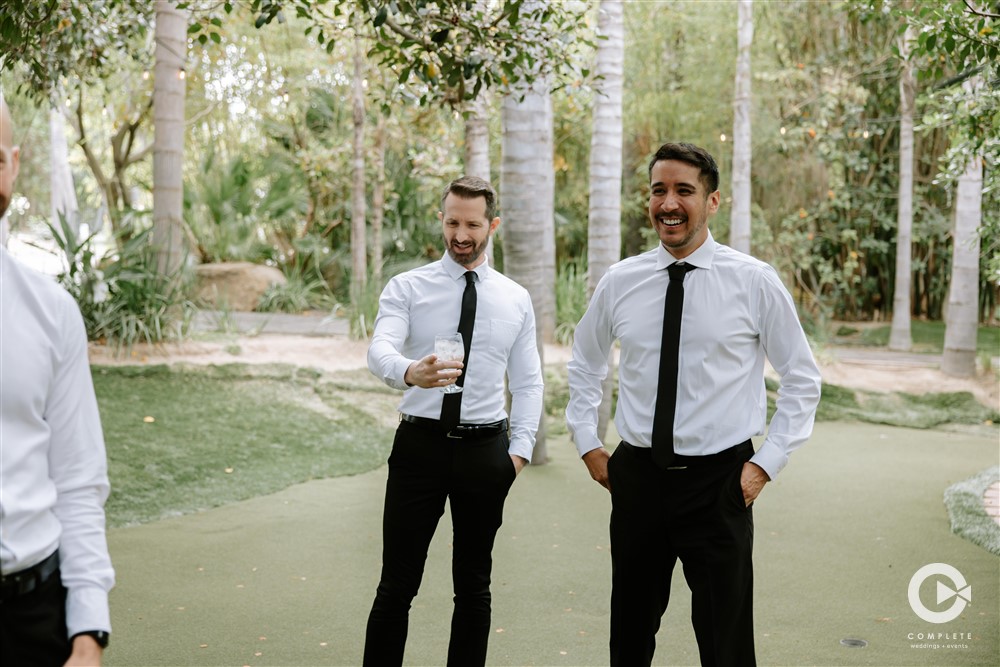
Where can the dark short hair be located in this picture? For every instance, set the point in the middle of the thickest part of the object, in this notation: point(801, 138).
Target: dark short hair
point(473, 187)
point(692, 155)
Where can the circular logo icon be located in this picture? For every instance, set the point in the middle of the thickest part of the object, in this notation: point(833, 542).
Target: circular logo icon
point(959, 589)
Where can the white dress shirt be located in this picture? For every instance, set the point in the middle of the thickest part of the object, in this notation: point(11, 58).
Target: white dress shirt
point(53, 468)
point(736, 312)
point(418, 304)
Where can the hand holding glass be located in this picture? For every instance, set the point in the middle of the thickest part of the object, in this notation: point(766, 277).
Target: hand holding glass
point(449, 347)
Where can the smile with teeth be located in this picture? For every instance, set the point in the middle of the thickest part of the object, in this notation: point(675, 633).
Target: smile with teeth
point(672, 222)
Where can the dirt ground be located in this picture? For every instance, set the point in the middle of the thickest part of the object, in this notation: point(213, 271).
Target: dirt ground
point(336, 353)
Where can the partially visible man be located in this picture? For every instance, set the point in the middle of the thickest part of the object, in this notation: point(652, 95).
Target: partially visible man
point(55, 572)
point(458, 447)
point(695, 320)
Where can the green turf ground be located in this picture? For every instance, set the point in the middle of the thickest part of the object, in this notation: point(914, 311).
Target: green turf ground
point(287, 579)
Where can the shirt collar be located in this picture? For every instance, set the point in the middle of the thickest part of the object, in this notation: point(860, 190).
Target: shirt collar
point(701, 258)
point(456, 271)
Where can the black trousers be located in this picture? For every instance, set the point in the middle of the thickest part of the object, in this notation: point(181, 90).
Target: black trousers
point(694, 512)
point(427, 467)
point(33, 626)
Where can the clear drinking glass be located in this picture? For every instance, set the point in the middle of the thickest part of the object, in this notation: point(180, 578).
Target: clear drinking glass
point(450, 347)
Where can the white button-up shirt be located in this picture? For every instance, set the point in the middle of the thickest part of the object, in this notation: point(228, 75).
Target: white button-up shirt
point(418, 304)
point(736, 313)
point(53, 468)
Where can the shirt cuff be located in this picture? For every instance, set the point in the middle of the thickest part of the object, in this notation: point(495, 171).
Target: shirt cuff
point(87, 609)
point(520, 447)
point(586, 442)
point(399, 372)
point(771, 458)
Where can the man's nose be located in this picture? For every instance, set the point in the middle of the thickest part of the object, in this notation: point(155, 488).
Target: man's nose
point(669, 202)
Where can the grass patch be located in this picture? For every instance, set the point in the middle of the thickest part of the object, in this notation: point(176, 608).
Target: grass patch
point(969, 520)
point(894, 408)
point(221, 434)
point(929, 337)
point(227, 433)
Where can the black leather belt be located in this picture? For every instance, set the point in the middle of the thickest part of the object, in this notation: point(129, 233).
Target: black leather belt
point(460, 431)
point(21, 583)
point(681, 462)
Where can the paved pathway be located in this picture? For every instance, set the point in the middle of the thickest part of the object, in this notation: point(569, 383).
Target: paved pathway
point(308, 324)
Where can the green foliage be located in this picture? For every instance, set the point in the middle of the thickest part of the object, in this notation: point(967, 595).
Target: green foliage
point(230, 208)
point(571, 299)
point(54, 40)
point(123, 298)
point(448, 50)
point(303, 291)
point(224, 435)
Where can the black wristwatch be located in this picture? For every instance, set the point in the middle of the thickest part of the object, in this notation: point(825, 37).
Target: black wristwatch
point(100, 636)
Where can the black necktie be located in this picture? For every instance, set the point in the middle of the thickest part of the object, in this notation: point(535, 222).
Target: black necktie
point(666, 391)
point(451, 408)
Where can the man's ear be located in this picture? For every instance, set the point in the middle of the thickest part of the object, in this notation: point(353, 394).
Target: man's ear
point(494, 224)
point(713, 201)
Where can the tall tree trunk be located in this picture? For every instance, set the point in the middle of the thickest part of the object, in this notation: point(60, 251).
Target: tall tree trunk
point(900, 337)
point(168, 144)
point(62, 193)
point(527, 190)
point(477, 145)
point(378, 201)
point(739, 229)
point(962, 315)
point(359, 250)
point(604, 236)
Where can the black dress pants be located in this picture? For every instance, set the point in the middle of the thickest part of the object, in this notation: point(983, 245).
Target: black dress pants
point(427, 467)
point(33, 627)
point(694, 512)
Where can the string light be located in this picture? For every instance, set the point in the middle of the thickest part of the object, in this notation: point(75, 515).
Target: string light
point(145, 75)
point(181, 74)
point(722, 138)
point(782, 131)
point(865, 134)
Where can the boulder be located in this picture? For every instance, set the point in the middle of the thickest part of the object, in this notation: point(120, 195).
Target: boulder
point(234, 285)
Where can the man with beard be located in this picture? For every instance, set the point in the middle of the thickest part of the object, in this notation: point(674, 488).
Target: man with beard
point(458, 447)
point(55, 572)
point(691, 394)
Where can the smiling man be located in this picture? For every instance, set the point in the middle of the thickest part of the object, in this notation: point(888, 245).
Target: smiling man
point(696, 321)
point(456, 447)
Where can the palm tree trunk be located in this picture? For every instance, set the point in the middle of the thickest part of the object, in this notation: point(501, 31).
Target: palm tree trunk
point(168, 144)
point(962, 316)
point(604, 240)
point(359, 246)
point(900, 337)
point(527, 194)
point(739, 230)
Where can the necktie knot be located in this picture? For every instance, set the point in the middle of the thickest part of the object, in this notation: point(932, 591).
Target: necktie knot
point(678, 270)
point(470, 277)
